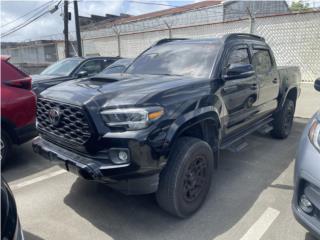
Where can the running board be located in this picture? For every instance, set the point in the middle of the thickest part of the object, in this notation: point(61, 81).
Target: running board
point(238, 146)
point(236, 142)
point(266, 129)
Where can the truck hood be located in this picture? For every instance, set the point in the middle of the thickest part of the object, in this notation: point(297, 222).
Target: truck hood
point(117, 89)
point(37, 78)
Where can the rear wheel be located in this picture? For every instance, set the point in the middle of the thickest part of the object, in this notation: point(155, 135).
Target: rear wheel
point(6, 147)
point(283, 120)
point(186, 179)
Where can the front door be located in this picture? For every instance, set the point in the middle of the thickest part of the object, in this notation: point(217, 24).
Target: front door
point(239, 94)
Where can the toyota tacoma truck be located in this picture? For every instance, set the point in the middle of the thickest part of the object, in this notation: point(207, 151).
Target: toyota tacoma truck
point(159, 126)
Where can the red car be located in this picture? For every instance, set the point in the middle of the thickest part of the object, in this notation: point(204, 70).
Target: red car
point(18, 108)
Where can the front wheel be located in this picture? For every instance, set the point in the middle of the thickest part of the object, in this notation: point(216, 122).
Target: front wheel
point(283, 120)
point(186, 179)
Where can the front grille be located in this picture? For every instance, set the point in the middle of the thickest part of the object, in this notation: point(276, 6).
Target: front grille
point(70, 125)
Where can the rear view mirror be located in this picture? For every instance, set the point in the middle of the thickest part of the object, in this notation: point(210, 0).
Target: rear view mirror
point(239, 70)
point(82, 74)
point(317, 84)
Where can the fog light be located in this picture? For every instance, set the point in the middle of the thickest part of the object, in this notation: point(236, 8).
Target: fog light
point(123, 156)
point(305, 204)
point(119, 156)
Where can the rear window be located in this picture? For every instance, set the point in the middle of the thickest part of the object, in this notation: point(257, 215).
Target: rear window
point(10, 72)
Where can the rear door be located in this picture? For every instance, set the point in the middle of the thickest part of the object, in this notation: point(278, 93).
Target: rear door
point(239, 95)
point(267, 77)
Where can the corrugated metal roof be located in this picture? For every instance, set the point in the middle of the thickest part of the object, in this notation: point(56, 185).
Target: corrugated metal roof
point(170, 11)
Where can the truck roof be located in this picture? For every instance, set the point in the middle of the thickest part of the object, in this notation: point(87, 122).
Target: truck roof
point(223, 39)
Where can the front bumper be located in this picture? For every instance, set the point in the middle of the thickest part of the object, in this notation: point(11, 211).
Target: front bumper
point(129, 178)
point(26, 133)
point(88, 168)
point(307, 182)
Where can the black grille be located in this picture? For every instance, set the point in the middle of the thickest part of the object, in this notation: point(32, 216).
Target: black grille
point(71, 126)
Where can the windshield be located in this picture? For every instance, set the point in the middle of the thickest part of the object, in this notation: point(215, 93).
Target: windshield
point(185, 59)
point(118, 66)
point(62, 68)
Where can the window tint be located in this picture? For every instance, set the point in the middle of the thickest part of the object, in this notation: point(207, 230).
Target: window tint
point(261, 61)
point(239, 56)
point(93, 66)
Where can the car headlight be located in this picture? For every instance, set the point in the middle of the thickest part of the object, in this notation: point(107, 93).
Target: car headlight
point(314, 134)
point(132, 118)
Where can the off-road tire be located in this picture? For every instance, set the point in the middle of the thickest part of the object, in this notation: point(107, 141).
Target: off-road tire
point(185, 181)
point(283, 120)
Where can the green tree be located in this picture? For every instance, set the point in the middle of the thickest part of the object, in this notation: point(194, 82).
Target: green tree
point(299, 6)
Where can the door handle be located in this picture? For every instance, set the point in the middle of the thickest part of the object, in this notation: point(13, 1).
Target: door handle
point(230, 88)
point(275, 80)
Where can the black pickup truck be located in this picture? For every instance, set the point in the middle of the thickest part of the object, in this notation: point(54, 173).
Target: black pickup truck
point(160, 125)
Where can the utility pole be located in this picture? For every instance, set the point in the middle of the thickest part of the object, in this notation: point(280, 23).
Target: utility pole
point(76, 19)
point(66, 29)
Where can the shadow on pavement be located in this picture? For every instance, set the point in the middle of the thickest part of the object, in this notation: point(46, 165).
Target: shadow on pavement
point(24, 162)
point(310, 237)
point(30, 236)
point(237, 184)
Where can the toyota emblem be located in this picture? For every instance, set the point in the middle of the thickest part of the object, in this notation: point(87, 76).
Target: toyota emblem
point(54, 116)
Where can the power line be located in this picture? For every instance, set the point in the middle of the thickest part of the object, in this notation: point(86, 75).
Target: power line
point(33, 10)
point(30, 20)
point(152, 3)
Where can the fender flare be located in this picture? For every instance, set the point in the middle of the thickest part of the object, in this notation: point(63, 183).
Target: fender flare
point(285, 95)
point(190, 119)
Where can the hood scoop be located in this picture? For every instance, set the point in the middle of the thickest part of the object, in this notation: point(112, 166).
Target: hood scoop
point(103, 79)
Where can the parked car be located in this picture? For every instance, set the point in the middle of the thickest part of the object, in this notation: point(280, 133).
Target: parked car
point(18, 108)
point(118, 66)
point(68, 69)
point(159, 126)
point(306, 200)
point(10, 224)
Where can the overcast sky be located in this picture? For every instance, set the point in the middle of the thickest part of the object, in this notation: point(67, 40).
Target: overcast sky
point(53, 23)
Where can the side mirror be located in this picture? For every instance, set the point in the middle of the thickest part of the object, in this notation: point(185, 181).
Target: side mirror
point(82, 74)
point(317, 84)
point(239, 70)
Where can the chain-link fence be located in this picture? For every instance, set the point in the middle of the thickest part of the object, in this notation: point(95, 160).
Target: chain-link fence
point(294, 37)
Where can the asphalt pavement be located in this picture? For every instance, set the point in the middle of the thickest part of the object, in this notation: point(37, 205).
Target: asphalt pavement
point(250, 199)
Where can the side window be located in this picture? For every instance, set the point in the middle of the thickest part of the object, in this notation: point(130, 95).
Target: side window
point(92, 66)
point(106, 63)
point(239, 56)
point(261, 61)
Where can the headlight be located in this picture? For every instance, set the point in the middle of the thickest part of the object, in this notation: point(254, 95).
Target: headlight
point(132, 118)
point(314, 134)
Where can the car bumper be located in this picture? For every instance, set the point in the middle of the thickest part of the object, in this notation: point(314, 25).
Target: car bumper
point(26, 133)
point(129, 178)
point(307, 182)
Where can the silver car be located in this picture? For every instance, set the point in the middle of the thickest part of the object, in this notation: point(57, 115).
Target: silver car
point(306, 199)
